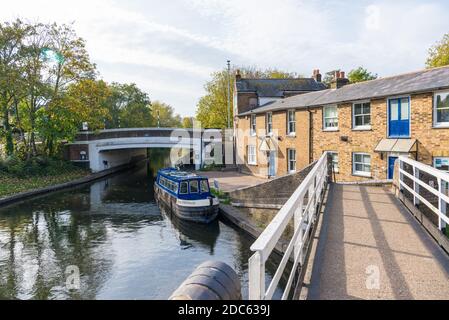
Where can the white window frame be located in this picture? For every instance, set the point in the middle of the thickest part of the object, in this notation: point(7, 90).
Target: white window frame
point(269, 124)
point(361, 173)
point(252, 125)
point(252, 158)
point(324, 119)
point(293, 122)
point(335, 164)
point(435, 113)
point(290, 161)
point(435, 162)
point(365, 126)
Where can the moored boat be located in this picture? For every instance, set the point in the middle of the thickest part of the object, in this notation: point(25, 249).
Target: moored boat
point(187, 195)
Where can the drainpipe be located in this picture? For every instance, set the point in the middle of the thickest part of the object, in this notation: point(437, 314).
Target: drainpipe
point(310, 135)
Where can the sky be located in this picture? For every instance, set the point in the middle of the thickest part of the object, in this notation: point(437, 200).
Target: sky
point(170, 48)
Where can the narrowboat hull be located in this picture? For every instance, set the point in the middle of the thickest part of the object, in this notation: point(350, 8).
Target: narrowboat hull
point(187, 210)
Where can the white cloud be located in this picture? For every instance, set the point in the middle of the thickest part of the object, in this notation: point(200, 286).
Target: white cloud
point(177, 44)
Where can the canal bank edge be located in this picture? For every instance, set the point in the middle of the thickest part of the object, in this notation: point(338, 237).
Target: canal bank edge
point(234, 216)
point(67, 185)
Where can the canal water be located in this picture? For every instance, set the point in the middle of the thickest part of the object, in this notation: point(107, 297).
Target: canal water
point(114, 233)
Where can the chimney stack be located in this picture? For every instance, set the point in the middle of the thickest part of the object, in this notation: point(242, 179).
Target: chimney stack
point(317, 75)
point(238, 76)
point(339, 80)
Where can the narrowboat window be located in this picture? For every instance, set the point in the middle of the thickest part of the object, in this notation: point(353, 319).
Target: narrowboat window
point(204, 186)
point(184, 188)
point(194, 186)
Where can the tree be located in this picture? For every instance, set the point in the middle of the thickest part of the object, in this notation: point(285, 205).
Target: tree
point(360, 74)
point(439, 53)
point(164, 116)
point(68, 62)
point(187, 122)
point(129, 107)
point(212, 109)
point(85, 101)
point(11, 41)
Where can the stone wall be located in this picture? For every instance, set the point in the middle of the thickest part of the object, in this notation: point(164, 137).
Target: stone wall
point(273, 192)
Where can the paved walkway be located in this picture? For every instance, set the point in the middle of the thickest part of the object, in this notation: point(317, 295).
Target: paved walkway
point(232, 180)
point(367, 235)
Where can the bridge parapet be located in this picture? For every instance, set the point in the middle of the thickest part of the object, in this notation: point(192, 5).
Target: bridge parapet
point(100, 150)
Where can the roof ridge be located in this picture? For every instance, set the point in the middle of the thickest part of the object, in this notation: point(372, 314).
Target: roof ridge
point(396, 76)
point(302, 78)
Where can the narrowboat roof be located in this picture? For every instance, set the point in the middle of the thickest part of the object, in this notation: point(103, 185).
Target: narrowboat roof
point(176, 175)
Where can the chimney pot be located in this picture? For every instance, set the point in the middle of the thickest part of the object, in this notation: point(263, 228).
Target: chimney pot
point(238, 76)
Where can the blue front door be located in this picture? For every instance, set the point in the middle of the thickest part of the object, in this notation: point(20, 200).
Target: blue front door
point(272, 164)
point(399, 118)
point(391, 161)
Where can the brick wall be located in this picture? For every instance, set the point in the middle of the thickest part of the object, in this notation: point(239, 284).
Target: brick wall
point(300, 142)
point(243, 101)
point(358, 141)
point(73, 151)
point(431, 142)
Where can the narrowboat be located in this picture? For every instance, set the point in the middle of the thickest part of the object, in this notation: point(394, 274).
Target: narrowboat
point(187, 195)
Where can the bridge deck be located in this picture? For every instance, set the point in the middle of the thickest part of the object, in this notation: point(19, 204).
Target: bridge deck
point(365, 229)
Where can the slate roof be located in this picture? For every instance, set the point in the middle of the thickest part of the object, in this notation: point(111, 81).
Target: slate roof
point(414, 82)
point(277, 87)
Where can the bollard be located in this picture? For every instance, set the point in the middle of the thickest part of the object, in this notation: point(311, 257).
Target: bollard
point(212, 280)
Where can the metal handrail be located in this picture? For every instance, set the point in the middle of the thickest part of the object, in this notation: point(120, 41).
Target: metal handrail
point(442, 180)
point(304, 216)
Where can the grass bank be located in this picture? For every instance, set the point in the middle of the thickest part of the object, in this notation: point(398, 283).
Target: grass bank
point(18, 176)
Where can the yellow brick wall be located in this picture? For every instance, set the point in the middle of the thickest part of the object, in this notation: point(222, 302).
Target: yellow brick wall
point(432, 142)
point(300, 142)
point(359, 141)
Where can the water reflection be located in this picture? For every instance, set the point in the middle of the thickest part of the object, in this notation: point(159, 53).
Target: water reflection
point(113, 231)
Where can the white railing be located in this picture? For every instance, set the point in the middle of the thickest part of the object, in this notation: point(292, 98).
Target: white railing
point(304, 216)
point(440, 191)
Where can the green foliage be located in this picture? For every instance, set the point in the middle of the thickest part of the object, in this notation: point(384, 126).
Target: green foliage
point(212, 109)
point(222, 196)
point(164, 116)
point(360, 74)
point(129, 107)
point(439, 53)
point(187, 122)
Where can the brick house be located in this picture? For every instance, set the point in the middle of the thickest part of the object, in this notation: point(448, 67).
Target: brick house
point(366, 126)
point(252, 94)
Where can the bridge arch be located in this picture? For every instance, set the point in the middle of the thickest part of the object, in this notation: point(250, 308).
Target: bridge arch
point(110, 148)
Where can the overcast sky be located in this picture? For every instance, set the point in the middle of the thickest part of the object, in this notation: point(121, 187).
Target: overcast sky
point(169, 48)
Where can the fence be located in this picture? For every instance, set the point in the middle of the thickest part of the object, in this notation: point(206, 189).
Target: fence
point(426, 185)
point(302, 207)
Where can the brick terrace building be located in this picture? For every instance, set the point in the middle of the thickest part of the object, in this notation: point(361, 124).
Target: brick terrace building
point(366, 126)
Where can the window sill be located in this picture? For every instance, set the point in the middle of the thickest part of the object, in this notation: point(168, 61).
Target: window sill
point(291, 135)
point(292, 172)
point(362, 129)
point(331, 130)
point(252, 164)
point(440, 126)
point(362, 174)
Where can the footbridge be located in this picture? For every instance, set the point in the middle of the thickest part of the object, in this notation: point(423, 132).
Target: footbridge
point(105, 149)
point(359, 241)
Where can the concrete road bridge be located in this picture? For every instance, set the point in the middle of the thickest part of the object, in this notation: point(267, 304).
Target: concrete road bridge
point(110, 148)
point(359, 241)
